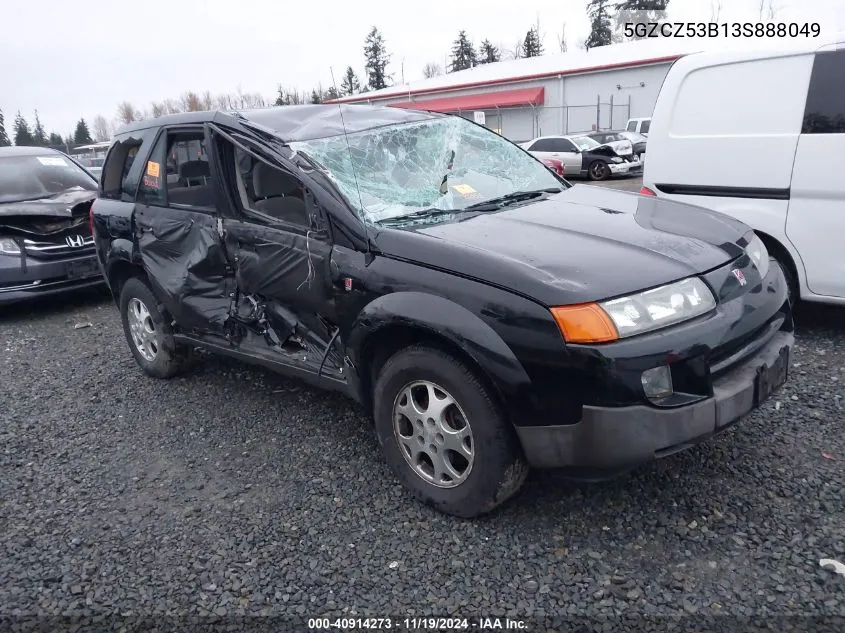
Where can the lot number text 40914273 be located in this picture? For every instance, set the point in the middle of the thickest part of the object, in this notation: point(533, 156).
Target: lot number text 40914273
point(422, 623)
point(722, 29)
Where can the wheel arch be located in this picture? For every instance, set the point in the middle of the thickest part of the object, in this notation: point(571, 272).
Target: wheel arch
point(781, 253)
point(396, 321)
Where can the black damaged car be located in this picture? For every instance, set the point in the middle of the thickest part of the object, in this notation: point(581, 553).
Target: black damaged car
point(486, 313)
point(45, 238)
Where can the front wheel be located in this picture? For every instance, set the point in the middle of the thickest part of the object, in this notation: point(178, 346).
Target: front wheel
point(599, 170)
point(149, 336)
point(443, 434)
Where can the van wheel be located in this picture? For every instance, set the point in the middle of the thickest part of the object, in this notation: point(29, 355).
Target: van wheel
point(443, 434)
point(599, 170)
point(149, 336)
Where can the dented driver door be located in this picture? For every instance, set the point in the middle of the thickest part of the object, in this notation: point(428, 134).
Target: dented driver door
point(280, 249)
point(177, 231)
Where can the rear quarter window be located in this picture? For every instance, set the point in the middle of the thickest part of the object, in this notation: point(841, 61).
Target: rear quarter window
point(745, 98)
point(825, 111)
point(122, 167)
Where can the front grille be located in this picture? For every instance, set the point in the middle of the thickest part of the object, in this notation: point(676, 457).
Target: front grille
point(59, 246)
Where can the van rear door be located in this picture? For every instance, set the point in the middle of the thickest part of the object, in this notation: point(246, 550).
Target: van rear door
point(816, 217)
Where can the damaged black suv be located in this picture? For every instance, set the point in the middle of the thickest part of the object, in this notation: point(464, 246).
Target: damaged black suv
point(489, 315)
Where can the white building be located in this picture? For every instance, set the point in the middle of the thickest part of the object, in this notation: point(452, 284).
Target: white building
point(564, 93)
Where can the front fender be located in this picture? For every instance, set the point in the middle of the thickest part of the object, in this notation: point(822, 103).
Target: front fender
point(450, 321)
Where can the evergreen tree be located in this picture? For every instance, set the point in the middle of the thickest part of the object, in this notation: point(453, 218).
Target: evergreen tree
point(39, 136)
point(377, 58)
point(647, 11)
point(316, 96)
point(82, 136)
point(55, 140)
point(4, 137)
point(22, 133)
point(350, 84)
point(69, 142)
point(531, 45)
point(601, 33)
point(331, 93)
point(463, 53)
point(487, 53)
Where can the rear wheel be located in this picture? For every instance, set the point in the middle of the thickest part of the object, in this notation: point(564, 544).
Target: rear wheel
point(599, 170)
point(443, 434)
point(149, 336)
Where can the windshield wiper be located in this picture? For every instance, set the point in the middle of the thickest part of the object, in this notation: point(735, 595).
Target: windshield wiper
point(421, 214)
point(502, 201)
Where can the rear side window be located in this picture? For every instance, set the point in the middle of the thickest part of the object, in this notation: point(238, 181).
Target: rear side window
point(121, 174)
point(177, 172)
point(825, 111)
point(552, 145)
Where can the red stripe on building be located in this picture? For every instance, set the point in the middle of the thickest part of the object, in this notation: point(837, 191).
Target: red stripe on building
point(482, 101)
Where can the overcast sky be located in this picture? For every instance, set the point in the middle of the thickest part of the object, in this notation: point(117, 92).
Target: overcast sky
point(83, 57)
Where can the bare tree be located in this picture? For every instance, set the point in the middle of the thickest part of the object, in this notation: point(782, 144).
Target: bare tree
point(190, 102)
point(432, 69)
point(516, 51)
point(715, 10)
point(101, 128)
point(561, 39)
point(126, 113)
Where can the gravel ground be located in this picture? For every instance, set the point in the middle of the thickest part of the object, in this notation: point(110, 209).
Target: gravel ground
point(233, 491)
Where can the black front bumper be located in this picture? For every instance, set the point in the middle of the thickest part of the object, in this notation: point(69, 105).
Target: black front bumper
point(610, 439)
point(21, 280)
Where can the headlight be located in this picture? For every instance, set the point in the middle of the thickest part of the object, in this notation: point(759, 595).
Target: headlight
point(616, 159)
point(657, 308)
point(646, 311)
point(758, 253)
point(8, 246)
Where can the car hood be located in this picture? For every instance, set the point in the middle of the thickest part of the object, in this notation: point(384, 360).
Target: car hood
point(584, 244)
point(60, 205)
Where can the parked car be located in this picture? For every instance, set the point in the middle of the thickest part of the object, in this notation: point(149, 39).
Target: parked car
point(640, 125)
point(487, 314)
point(583, 157)
point(638, 142)
point(717, 109)
point(45, 239)
point(619, 143)
point(556, 166)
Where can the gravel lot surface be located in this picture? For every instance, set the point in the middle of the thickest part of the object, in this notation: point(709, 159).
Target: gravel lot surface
point(234, 491)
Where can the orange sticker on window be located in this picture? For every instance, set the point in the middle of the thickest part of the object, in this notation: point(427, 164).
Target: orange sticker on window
point(153, 169)
point(464, 189)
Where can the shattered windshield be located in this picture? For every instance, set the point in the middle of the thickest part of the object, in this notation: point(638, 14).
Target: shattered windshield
point(438, 165)
point(42, 176)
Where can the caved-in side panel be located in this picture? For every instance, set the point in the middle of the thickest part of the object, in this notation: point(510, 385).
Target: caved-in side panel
point(186, 265)
point(285, 266)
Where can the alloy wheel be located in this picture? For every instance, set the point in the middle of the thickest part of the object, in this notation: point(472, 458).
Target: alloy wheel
point(433, 434)
point(142, 329)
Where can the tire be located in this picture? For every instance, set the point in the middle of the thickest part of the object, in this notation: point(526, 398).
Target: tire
point(791, 282)
point(497, 468)
point(599, 170)
point(158, 354)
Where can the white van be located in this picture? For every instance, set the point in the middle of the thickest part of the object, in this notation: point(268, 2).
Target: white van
point(760, 135)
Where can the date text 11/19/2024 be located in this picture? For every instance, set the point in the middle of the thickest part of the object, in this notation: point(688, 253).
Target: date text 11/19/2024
point(417, 624)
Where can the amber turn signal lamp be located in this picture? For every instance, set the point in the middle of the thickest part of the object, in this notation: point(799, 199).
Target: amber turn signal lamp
point(585, 323)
